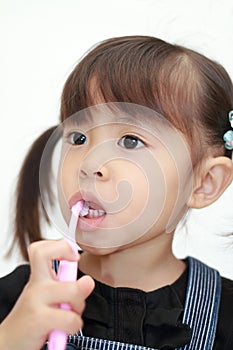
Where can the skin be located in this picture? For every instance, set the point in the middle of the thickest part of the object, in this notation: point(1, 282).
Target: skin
point(100, 163)
point(121, 261)
point(35, 313)
point(114, 253)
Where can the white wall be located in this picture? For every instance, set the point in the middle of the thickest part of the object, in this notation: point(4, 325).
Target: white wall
point(40, 43)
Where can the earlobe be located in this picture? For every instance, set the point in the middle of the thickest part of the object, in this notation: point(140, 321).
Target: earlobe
point(213, 179)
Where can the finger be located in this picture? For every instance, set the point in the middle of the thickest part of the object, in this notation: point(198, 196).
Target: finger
point(63, 320)
point(67, 321)
point(72, 293)
point(86, 285)
point(55, 293)
point(42, 253)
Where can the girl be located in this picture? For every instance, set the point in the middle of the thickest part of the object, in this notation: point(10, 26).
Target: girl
point(157, 116)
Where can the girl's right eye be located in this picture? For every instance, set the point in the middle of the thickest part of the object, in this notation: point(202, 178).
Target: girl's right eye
point(76, 138)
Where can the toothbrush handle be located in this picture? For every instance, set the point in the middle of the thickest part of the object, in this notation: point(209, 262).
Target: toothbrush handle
point(67, 272)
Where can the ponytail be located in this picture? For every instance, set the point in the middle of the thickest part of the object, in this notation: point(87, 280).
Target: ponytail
point(29, 207)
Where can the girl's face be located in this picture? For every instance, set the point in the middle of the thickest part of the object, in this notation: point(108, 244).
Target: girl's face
point(132, 172)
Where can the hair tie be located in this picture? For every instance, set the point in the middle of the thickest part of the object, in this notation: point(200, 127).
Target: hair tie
point(228, 136)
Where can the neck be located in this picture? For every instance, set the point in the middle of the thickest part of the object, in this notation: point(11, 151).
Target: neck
point(146, 266)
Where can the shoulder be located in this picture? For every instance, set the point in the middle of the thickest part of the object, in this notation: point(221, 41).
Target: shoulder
point(11, 287)
point(226, 302)
point(224, 333)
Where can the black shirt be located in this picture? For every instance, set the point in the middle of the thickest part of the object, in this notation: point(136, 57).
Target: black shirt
point(129, 315)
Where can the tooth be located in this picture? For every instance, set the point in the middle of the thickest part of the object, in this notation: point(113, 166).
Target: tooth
point(91, 213)
point(85, 209)
point(95, 213)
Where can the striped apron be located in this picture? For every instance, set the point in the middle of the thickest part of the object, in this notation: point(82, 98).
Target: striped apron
point(200, 313)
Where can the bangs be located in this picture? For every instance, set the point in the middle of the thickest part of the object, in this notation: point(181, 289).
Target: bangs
point(145, 71)
point(142, 70)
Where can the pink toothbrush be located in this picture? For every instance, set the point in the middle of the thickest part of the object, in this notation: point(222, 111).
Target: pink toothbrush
point(67, 272)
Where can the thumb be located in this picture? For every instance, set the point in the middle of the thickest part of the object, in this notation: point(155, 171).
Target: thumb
point(86, 285)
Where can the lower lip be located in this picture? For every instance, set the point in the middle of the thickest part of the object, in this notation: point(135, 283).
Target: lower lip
point(89, 225)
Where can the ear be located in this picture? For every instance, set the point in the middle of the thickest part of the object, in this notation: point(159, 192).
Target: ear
point(215, 176)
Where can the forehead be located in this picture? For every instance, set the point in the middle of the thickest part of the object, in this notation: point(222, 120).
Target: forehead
point(126, 114)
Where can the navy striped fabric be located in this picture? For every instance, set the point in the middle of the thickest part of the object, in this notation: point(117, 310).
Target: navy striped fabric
point(202, 305)
point(200, 313)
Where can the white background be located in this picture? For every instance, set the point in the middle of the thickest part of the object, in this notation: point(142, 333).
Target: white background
point(40, 43)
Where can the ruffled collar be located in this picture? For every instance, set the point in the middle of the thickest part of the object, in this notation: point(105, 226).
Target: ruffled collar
point(152, 319)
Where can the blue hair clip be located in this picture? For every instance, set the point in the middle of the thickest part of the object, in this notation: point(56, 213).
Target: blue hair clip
point(228, 136)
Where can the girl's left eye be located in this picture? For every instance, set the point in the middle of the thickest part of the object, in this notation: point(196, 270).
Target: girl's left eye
point(131, 142)
point(76, 138)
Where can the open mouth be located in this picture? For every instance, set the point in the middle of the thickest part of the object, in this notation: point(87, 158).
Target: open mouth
point(91, 210)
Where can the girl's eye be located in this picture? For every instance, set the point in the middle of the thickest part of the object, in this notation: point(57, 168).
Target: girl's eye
point(131, 142)
point(77, 138)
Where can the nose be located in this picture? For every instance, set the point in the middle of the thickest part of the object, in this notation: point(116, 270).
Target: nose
point(96, 161)
point(102, 173)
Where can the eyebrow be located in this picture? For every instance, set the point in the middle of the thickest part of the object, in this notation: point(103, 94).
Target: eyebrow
point(139, 116)
point(126, 118)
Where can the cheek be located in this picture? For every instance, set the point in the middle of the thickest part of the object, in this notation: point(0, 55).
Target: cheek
point(178, 184)
point(155, 192)
point(171, 178)
point(137, 192)
point(66, 182)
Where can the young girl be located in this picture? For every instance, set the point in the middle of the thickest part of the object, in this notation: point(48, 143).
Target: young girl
point(157, 118)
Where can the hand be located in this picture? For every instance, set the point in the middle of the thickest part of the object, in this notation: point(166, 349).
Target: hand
point(36, 312)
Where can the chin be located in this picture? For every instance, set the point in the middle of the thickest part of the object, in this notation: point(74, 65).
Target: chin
point(98, 250)
point(95, 250)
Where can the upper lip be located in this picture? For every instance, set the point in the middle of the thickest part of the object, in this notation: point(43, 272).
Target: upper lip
point(87, 197)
